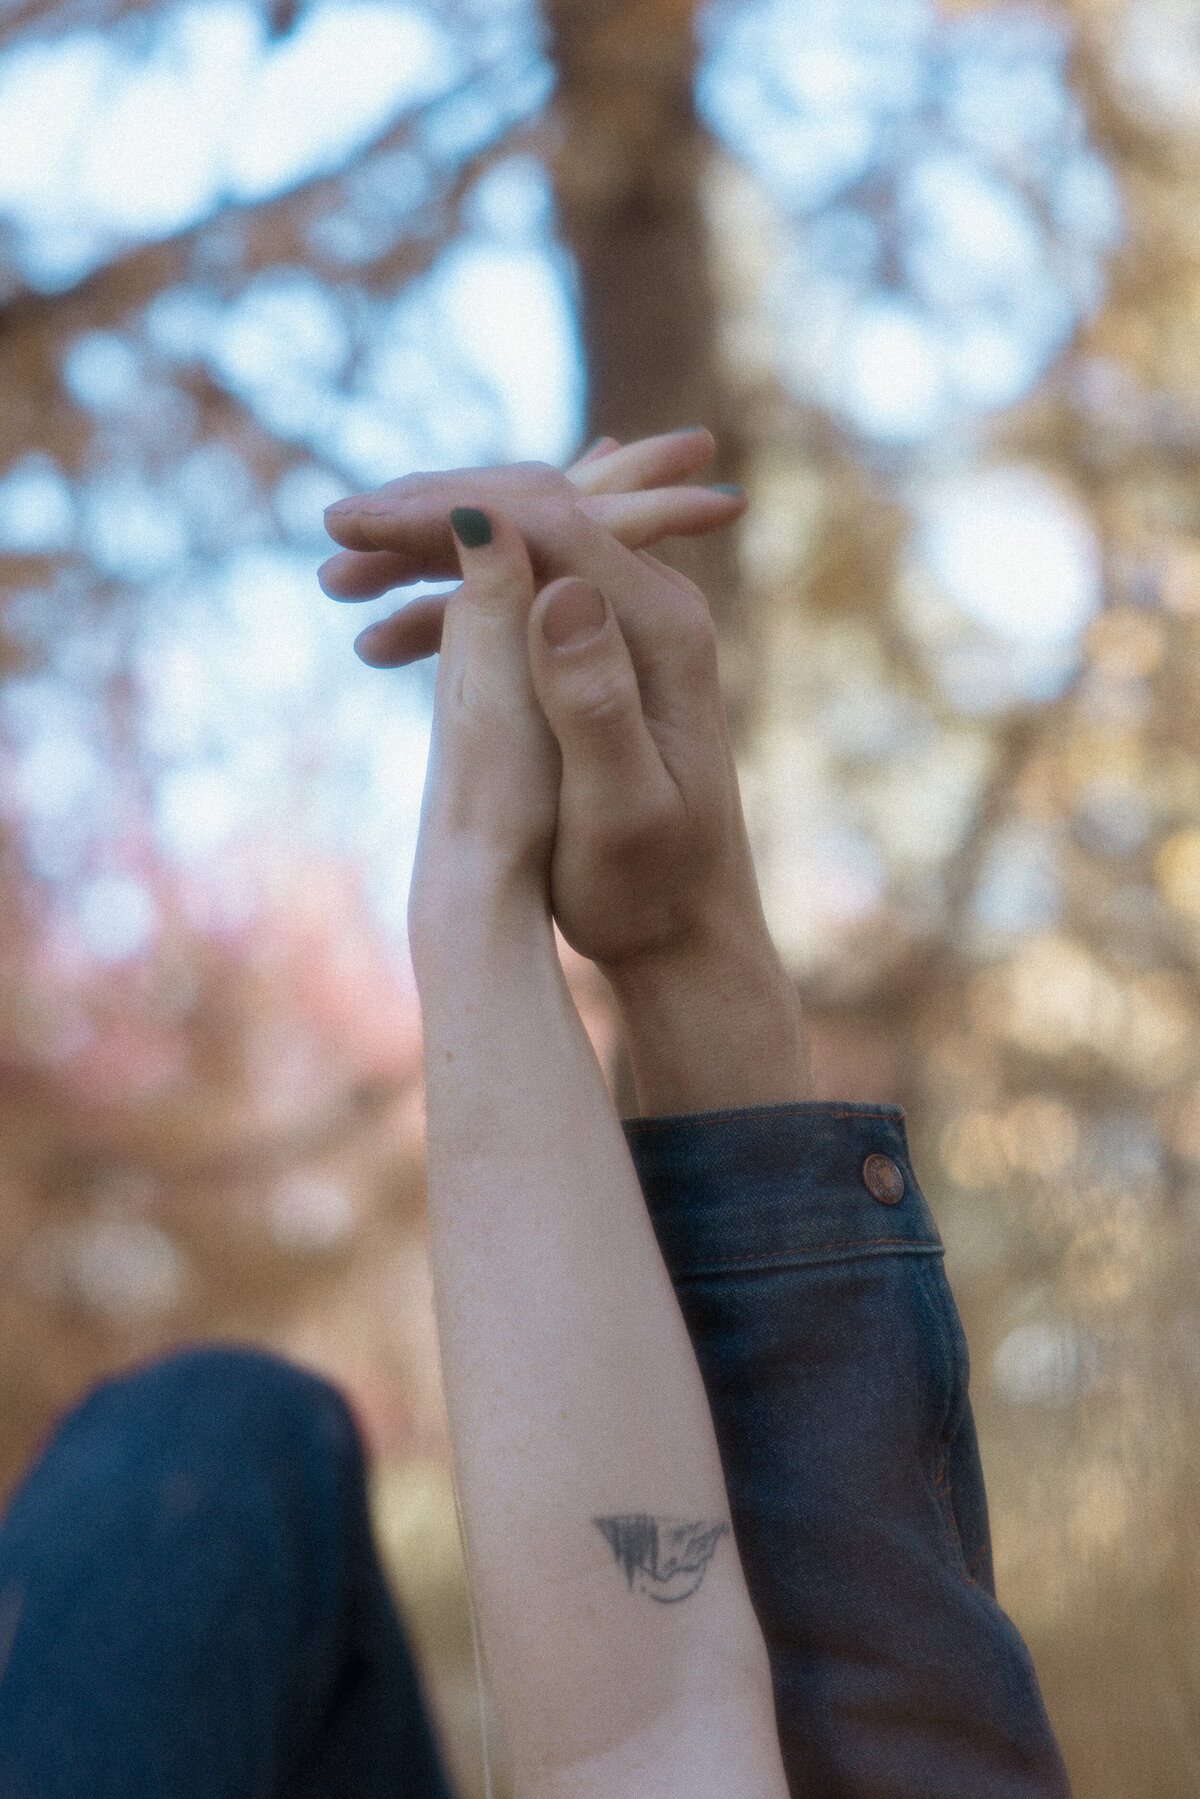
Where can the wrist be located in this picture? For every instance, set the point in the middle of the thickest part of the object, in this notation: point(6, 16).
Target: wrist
point(472, 907)
point(712, 1022)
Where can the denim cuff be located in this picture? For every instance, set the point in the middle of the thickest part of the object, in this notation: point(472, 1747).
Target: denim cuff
point(779, 1186)
point(808, 1272)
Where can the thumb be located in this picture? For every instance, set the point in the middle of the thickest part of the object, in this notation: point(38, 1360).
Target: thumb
point(587, 687)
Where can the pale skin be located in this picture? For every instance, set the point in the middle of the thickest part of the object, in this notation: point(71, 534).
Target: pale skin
point(624, 1652)
point(651, 874)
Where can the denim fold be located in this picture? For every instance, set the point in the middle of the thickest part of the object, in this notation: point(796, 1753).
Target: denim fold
point(197, 1609)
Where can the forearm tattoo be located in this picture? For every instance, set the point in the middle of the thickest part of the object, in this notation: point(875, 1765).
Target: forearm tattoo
point(664, 1557)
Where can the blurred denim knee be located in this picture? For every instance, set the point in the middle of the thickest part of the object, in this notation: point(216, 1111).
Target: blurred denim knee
point(809, 1270)
point(191, 1604)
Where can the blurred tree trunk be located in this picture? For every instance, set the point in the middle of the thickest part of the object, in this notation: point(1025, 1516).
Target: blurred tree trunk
point(629, 164)
point(628, 167)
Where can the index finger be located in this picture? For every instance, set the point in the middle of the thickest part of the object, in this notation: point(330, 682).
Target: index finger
point(664, 619)
point(420, 546)
point(654, 605)
point(648, 462)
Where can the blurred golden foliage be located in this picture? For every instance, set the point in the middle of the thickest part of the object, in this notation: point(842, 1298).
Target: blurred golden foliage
point(961, 642)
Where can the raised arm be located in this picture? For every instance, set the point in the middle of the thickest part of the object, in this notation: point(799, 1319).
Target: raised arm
point(652, 874)
point(624, 1652)
point(805, 1261)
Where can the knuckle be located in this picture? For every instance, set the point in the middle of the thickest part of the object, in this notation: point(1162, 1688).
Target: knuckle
point(541, 471)
point(603, 700)
point(534, 483)
point(404, 485)
point(706, 664)
point(691, 597)
point(551, 511)
point(698, 639)
point(696, 618)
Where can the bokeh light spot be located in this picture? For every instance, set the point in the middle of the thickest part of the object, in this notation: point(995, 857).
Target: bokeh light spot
point(1044, 1363)
point(1015, 551)
point(117, 917)
point(37, 510)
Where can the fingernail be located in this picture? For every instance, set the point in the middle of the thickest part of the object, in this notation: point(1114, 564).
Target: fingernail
point(574, 616)
point(471, 527)
point(362, 644)
point(729, 487)
point(594, 445)
point(682, 430)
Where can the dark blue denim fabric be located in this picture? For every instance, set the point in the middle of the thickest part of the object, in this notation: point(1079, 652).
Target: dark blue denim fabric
point(190, 1602)
point(836, 1370)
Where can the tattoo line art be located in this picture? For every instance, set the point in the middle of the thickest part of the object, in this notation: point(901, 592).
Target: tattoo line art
point(664, 1557)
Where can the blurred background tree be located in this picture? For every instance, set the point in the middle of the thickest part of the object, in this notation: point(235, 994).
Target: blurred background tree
point(933, 275)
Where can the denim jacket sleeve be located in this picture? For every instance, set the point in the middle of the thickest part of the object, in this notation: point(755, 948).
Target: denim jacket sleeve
point(835, 1364)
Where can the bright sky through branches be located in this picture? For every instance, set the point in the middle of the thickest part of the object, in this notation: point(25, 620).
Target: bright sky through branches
point(946, 219)
point(944, 222)
point(237, 657)
point(104, 141)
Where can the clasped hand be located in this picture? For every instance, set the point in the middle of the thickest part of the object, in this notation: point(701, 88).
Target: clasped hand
point(588, 729)
point(580, 747)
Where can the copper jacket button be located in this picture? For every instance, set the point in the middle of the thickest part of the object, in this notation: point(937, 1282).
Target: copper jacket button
point(883, 1180)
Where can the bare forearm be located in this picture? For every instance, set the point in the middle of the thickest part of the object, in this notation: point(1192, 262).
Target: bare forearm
point(713, 1025)
point(575, 1402)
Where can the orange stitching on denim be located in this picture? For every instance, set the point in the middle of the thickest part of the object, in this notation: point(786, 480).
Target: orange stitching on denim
point(811, 1110)
point(817, 1248)
point(950, 1523)
point(964, 1570)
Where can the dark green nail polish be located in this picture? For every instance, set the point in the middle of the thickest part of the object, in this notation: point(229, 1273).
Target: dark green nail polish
point(729, 487)
point(682, 430)
point(471, 527)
